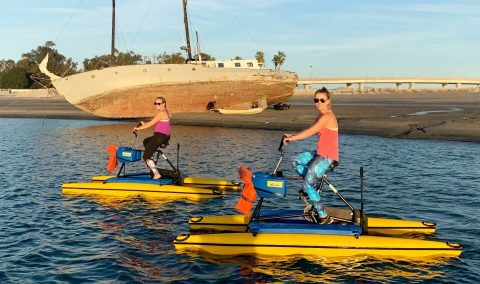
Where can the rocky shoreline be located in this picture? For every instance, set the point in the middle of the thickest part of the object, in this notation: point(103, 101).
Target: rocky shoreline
point(444, 116)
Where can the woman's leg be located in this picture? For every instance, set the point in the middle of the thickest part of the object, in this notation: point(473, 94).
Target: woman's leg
point(151, 145)
point(311, 182)
point(149, 148)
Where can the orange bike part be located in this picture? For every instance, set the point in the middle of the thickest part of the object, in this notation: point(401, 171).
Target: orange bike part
point(112, 160)
point(246, 200)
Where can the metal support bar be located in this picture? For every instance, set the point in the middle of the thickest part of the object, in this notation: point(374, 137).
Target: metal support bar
point(332, 187)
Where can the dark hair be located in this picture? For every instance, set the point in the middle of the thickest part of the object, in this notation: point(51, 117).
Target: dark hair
point(323, 90)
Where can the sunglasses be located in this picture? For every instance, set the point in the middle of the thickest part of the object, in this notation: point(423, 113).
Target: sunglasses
point(157, 104)
point(320, 100)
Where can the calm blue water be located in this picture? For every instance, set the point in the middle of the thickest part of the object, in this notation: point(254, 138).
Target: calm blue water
point(48, 237)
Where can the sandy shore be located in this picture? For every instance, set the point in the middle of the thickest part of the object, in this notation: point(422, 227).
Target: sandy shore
point(446, 116)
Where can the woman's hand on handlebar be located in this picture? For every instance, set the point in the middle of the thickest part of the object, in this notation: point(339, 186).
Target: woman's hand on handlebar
point(287, 138)
point(141, 123)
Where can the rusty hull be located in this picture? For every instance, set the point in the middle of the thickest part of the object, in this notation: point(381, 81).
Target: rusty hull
point(187, 97)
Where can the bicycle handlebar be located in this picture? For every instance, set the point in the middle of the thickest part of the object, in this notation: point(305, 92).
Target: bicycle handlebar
point(134, 131)
point(282, 142)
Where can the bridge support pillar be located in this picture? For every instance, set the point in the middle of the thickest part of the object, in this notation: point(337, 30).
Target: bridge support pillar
point(398, 85)
point(458, 85)
point(349, 86)
point(361, 87)
point(444, 85)
point(411, 86)
point(306, 88)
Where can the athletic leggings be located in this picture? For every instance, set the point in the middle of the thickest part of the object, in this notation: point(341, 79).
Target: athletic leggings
point(152, 143)
point(312, 167)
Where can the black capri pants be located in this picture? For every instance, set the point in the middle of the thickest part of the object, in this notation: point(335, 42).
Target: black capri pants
point(152, 143)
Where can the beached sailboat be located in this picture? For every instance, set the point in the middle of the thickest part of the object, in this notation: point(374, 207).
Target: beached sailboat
point(128, 91)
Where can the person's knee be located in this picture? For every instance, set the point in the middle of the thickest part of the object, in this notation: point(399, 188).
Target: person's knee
point(301, 170)
point(147, 155)
point(304, 158)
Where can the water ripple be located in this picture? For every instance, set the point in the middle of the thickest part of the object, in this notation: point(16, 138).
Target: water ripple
point(48, 237)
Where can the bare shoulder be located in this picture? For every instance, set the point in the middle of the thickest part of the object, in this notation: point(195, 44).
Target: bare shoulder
point(327, 117)
point(161, 116)
point(330, 120)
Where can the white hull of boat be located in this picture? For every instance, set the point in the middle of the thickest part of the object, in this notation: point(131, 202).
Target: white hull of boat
point(129, 91)
point(241, 111)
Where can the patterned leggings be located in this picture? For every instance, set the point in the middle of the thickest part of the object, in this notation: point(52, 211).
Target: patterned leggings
point(312, 167)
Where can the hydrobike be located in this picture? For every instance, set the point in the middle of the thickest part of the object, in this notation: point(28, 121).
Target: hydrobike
point(172, 184)
point(287, 232)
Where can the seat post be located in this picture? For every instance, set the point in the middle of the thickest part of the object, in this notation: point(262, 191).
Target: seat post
point(334, 189)
point(160, 152)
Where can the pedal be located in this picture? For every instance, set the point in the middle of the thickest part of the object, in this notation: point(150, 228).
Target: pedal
point(340, 221)
point(167, 173)
point(310, 214)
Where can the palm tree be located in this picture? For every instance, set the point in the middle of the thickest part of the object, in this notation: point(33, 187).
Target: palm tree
point(260, 57)
point(279, 59)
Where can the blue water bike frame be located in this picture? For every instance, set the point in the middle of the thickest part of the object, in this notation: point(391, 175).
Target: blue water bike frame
point(174, 173)
point(357, 216)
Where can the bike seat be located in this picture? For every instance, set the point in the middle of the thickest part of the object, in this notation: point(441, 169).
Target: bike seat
point(332, 166)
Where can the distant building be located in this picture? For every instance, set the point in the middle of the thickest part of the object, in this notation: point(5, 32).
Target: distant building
point(244, 63)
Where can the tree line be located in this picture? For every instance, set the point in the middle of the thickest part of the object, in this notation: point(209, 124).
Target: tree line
point(25, 74)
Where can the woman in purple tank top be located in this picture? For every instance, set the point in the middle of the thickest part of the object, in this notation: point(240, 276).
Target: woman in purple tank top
point(161, 134)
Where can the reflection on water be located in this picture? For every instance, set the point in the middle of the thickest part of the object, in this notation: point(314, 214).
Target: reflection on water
point(321, 270)
point(116, 202)
point(48, 237)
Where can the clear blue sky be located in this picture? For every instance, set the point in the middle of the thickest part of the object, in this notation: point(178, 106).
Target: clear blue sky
point(336, 38)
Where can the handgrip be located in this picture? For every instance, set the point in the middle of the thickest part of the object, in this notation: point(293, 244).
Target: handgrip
point(135, 132)
point(280, 148)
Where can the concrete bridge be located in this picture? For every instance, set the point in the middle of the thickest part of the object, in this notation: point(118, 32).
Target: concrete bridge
point(398, 81)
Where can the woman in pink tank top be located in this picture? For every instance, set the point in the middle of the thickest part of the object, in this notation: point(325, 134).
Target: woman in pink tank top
point(161, 134)
point(313, 165)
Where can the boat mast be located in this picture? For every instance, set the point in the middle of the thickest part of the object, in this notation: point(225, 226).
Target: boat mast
point(112, 55)
point(185, 20)
point(199, 54)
